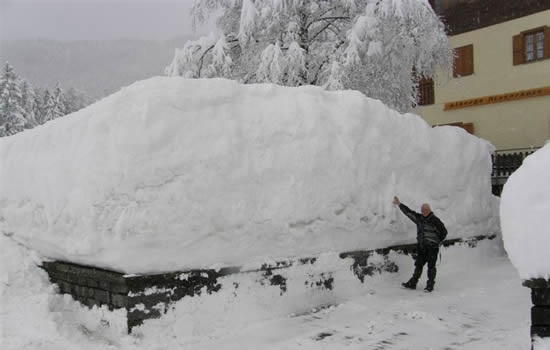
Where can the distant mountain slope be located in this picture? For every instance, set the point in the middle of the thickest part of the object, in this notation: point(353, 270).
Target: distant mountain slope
point(97, 68)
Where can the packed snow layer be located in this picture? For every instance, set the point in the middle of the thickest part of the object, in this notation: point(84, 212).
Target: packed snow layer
point(170, 174)
point(525, 210)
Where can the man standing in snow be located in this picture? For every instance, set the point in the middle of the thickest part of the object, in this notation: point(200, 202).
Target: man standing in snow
point(430, 233)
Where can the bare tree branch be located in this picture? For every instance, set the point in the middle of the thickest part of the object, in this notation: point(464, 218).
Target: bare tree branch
point(330, 22)
point(202, 59)
point(329, 18)
point(320, 15)
point(207, 50)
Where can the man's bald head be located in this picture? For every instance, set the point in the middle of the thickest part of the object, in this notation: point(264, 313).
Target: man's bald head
point(425, 209)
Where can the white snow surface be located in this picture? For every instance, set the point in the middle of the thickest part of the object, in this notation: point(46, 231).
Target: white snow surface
point(541, 343)
point(171, 174)
point(524, 211)
point(478, 304)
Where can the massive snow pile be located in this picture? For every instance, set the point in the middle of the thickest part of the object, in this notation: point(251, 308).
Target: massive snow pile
point(170, 174)
point(525, 208)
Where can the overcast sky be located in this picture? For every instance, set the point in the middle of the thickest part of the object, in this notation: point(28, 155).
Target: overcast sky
point(96, 19)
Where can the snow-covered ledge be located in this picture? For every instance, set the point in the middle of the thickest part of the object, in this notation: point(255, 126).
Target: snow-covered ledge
point(150, 296)
point(524, 211)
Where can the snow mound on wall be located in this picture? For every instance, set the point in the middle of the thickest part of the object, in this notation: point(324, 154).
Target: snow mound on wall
point(525, 208)
point(171, 173)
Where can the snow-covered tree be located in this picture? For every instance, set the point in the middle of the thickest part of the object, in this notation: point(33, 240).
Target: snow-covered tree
point(28, 104)
point(221, 60)
point(59, 107)
point(49, 108)
point(53, 105)
point(24, 107)
point(370, 45)
point(12, 114)
point(75, 100)
point(272, 65)
point(39, 105)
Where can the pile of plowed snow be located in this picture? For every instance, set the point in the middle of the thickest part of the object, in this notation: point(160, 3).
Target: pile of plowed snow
point(170, 173)
point(525, 210)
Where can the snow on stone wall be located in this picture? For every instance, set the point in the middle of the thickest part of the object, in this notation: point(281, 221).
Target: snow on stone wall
point(172, 174)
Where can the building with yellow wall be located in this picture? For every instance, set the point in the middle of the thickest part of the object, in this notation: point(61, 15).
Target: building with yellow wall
point(500, 86)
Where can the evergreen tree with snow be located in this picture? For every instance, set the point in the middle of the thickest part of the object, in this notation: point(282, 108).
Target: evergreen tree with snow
point(39, 105)
point(53, 105)
point(12, 118)
point(373, 46)
point(28, 103)
point(59, 106)
point(24, 107)
point(49, 111)
point(75, 100)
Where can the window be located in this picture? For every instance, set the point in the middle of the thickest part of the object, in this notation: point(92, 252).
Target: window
point(464, 61)
point(532, 45)
point(426, 92)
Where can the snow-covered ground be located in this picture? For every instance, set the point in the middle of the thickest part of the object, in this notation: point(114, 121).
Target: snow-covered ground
point(478, 303)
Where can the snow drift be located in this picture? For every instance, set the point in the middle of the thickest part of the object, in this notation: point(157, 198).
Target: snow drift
point(524, 209)
point(171, 174)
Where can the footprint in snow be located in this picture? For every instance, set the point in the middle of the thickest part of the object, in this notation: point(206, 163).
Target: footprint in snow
point(322, 336)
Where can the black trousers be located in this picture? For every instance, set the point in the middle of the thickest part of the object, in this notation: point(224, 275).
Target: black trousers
point(426, 255)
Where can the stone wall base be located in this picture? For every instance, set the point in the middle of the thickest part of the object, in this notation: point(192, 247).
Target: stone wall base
point(149, 296)
point(540, 312)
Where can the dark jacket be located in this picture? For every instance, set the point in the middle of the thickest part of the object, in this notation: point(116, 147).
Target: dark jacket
point(430, 230)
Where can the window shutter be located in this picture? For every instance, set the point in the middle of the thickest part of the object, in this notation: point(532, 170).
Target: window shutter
point(458, 67)
point(547, 42)
point(464, 61)
point(468, 61)
point(519, 56)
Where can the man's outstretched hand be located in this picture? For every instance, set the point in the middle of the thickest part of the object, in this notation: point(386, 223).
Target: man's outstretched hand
point(396, 200)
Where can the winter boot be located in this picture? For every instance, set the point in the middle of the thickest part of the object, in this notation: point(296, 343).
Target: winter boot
point(429, 286)
point(411, 284)
point(431, 279)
